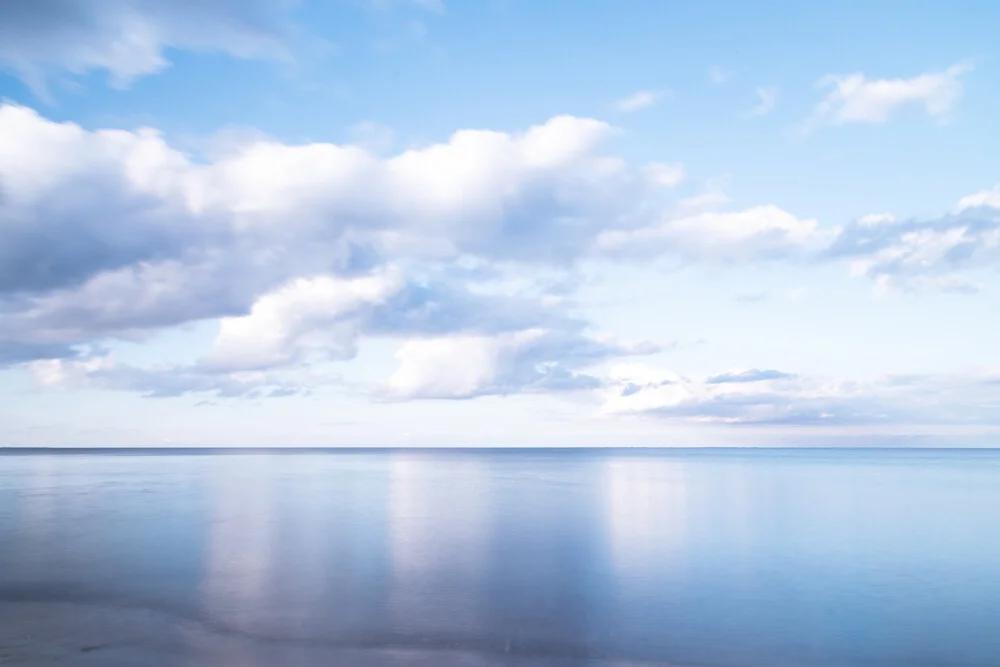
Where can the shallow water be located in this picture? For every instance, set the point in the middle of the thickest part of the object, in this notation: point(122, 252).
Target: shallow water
point(715, 558)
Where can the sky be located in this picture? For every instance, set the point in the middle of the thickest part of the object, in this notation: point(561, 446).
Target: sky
point(499, 223)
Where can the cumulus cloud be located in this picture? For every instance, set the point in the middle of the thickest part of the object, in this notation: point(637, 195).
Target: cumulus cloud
point(128, 38)
point(642, 99)
point(302, 251)
point(773, 397)
point(988, 198)
point(531, 360)
point(757, 233)
point(854, 98)
point(75, 203)
point(922, 254)
point(113, 234)
point(109, 232)
point(309, 319)
point(322, 318)
point(534, 194)
point(271, 361)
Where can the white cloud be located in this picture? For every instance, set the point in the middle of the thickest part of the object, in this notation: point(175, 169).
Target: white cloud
point(113, 234)
point(269, 361)
point(989, 198)
point(321, 315)
point(922, 254)
point(772, 397)
point(105, 233)
point(128, 38)
point(855, 98)
point(758, 233)
point(303, 251)
point(718, 75)
point(710, 199)
point(767, 99)
point(875, 219)
point(471, 194)
point(531, 360)
point(665, 175)
point(455, 367)
point(642, 99)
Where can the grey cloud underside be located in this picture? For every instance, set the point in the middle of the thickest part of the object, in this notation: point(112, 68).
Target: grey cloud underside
point(91, 224)
point(127, 38)
point(774, 398)
point(752, 375)
point(18, 352)
point(555, 361)
point(442, 308)
point(138, 299)
point(172, 382)
point(782, 410)
point(909, 250)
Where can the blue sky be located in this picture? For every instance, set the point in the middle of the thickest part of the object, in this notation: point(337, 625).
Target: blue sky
point(425, 222)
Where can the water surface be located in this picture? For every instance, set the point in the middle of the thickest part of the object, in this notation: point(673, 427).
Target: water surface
point(714, 558)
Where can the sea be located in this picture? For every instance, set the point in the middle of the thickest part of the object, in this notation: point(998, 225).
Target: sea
point(507, 557)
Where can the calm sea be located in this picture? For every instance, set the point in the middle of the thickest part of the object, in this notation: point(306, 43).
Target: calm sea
point(714, 558)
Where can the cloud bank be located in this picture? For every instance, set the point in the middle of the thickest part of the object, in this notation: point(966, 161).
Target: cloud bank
point(300, 253)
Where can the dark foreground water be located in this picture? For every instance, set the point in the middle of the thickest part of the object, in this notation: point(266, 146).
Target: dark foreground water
point(466, 558)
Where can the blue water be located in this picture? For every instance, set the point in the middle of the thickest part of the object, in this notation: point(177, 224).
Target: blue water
point(716, 558)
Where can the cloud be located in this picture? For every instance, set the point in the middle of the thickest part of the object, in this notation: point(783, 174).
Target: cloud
point(322, 318)
point(752, 375)
point(922, 254)
point(752, 297)
point(642, 99)
point(295, 328)
point(854, 98)
point(76, 203)
point(309, 319)
point(372, 136)
point(757, 233)
point(986, 198)
point(114, 234)
point(109, 233)
point(303, 251)
point(527, 361)
point(774, 397)
point(128, 38)
point(719, 75)
point(271, 362)
point(767, 99)
point(665, 175)
point(710, 199)
point(103, 372)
